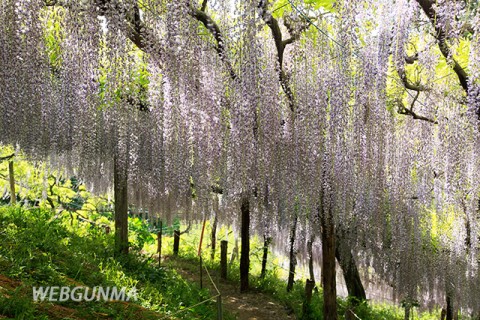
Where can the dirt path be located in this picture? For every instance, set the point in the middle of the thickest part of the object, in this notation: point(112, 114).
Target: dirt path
point(244, 306)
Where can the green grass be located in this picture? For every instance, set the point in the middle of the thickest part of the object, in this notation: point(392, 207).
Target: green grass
point(274, 282)
point(39, 249)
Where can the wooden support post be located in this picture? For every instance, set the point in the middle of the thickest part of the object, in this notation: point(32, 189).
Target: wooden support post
point(159, 244)
point(219, 308)
point(13, 194)
point(176, 241)
point(223, 259)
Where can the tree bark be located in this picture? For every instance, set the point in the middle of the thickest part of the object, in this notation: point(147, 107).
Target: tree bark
point(349, 268)
point(328, 267)
point(266, 242)
point(121, 208)
point(306, 310)
point(293, 259)
point(428, 7)
point(449, 307)
point(245, 253)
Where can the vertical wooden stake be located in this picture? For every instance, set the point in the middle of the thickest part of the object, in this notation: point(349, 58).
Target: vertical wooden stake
point(201, 238)
point(223, 259)
point(159, 244)
point(176, 241)
point(219, 308)
point(13, 194)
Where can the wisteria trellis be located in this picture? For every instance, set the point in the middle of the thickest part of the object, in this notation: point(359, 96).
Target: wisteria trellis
point(189, 111)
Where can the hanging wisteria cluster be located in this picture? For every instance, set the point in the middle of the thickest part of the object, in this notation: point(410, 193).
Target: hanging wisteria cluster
point(193, 108)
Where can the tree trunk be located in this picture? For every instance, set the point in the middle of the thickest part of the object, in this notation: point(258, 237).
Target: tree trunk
point(443, 314)
point(347, 263)
point(214, 236)
point(328, 267)
point(449, 307)
point(13, 194)
point(245, 253)
point(307, 311)
point(293, 259)
point(310, 258)
point(121, 208)
point(266, 242)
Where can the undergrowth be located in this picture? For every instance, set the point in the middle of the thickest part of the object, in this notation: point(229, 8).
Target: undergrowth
point(39, 248)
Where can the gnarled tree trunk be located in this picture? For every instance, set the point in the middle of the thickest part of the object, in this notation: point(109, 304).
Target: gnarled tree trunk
point(328, 266)
point(310, 258)
point(347, 262)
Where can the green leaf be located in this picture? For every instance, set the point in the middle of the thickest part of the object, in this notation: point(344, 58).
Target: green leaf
point(328, 5)
point(280, 7)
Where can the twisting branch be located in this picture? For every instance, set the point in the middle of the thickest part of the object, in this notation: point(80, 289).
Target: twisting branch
point(408, 84)
point(295, 34)
point(411, 59)
point(440, 35)
point(211, 26)
point(137, 31)
point(280, 44)
point(402, 109)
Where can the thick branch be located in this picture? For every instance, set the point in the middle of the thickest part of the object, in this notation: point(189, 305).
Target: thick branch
point(411, 59)
point(137, 32)
point(295, 34)
point(272, 23)
point(427, 6)
point(211, 26)
point(408, 84)
point(204, 5)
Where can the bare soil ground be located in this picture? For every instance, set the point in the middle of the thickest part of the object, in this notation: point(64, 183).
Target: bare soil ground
point(252, 305)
